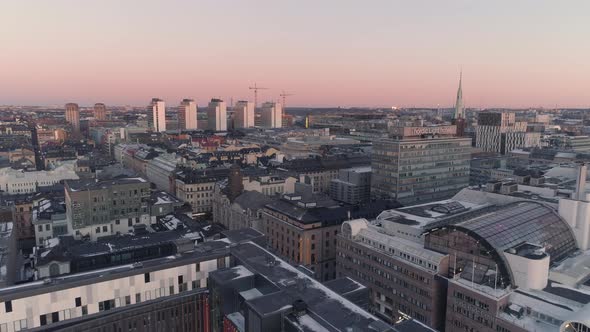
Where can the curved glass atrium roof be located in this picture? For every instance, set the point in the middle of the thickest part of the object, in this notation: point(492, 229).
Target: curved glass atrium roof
point(520, 222)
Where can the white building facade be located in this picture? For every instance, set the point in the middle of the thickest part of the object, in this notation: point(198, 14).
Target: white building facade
point(217, 115)
point(272, 115)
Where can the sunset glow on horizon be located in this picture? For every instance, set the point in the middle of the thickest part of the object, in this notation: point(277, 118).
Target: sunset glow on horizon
point(326, 53)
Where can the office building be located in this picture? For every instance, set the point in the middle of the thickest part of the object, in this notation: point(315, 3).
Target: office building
point(353, 185)
point(73, 116)
point(100, 112)
point(167, 293)
point(302, 228)
point(187, 115)
point(420, 164)
point(404, 278)
point(156, 115)
point(217, 115)
point(196, 187)
point(13, 181)
point(514, 265)
point(499, 132)
point(101, 208)
point(243, 114)
point(271, 115)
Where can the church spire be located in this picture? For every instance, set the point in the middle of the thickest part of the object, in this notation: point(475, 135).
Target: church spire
point(459, 110)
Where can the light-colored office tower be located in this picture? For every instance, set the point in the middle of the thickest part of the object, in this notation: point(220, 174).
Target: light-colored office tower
point(100, 111)
point(157, 115)
point(217, 115)
point(420, 164)
point(244, 114)
point(272, 115)
point(187, 114)
point(73, 116)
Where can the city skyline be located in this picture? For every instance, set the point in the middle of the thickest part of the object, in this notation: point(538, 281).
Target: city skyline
point(525, 54)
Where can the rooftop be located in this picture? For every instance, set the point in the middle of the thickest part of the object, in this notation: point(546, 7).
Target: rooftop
point(93, 184)
point(204, 251)
point(335, 311)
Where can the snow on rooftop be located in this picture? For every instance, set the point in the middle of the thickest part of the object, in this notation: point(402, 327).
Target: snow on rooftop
point(171, 222)
point(483, 289)
point(572, 270)
point(251, 294)
point(242, 271)
point(311, 324)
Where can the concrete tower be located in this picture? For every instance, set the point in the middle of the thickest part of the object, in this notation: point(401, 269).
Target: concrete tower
point(73, 116)
point(157, 115)
point(217, 115)
point(244, 114)
point(100, 111)
point(187, 114)
point(272, 115)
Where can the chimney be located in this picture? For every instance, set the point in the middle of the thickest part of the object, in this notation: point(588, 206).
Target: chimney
point(580, 193)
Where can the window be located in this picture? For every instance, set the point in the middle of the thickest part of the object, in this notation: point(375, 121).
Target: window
point(105, 229)
point(117, 222)
point(180, 279)
point(137, 298)
point(127, 300)
point(97, 230)
point(40, 228)
point(55, 317)
point(78, 302)
point(20, 325)
point(198, 267)
point(43, 320)
point(130, 222)
point(146, 277)
point(8, 306)
point(84, 310)
point(171, 290)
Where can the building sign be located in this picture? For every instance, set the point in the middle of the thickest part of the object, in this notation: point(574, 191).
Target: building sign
point(419, 131)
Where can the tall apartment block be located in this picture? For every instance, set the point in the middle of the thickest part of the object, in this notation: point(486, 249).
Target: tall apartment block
point(244, 114)
point(187, 114)
point(100, 111)
point(499, 132)
point(420, 164)
point(217, 115)
point(272, 115)
point(73, 116)
point(95, 209)
point(156, 112)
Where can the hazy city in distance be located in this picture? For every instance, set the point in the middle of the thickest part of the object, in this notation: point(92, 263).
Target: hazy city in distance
point(294, 166)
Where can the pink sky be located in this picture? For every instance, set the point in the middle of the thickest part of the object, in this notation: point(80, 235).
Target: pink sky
point(328, 53)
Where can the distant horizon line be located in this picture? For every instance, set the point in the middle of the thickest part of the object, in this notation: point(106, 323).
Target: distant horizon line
point(59, 106)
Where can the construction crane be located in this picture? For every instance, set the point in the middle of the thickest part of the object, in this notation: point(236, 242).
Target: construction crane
point(256, 88)
point(284, 95)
